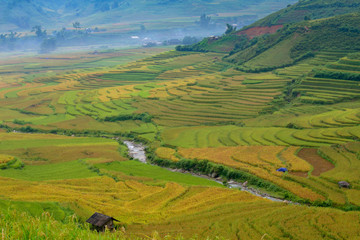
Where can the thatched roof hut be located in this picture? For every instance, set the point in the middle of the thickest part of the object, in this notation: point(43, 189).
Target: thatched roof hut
point(100, 222)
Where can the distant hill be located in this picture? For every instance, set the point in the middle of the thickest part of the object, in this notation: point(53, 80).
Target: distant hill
point(295, 42)
point(309, 9)
point(280, 40)
point(23, 14)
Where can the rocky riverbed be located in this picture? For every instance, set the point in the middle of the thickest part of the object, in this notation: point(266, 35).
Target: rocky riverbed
point(137, 151)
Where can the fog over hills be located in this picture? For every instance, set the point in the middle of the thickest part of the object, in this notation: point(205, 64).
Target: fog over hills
point(24, 14)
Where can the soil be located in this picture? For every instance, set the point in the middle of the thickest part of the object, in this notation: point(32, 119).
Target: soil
point(258, 31)
point(299, 174)
point(320, 164)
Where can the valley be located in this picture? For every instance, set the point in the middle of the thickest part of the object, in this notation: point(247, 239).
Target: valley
point(277, 112)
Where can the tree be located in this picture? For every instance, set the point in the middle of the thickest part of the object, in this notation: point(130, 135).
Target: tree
point(204, 21)
point(189, 40)
point(38, 31)
point(48, 45)
point(77, 25)
point(229, 29)
point(61, 34)
point(13, 36)
point(7, 41)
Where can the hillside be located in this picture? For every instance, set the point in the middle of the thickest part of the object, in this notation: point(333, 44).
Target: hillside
point(22, 14)
point(64, 124)
point(245, 136)
point(309, 9)
point(267, 48)
point(25, 14)
point(299, 41)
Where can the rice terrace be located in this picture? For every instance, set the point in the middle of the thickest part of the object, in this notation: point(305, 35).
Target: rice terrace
point(162, 119)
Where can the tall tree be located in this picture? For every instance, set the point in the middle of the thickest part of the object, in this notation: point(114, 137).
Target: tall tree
point(77, 25)
point(40, 33)
point(204, 21)
point(229, 29)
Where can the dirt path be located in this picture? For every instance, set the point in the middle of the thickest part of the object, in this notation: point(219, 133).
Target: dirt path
point(320, 164)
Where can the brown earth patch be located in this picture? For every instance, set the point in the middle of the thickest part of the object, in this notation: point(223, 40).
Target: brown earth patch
point(299, 174)
point(258, 31)
point(320, 164)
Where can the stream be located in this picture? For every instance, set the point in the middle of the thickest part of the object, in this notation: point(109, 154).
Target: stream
point(137, 151)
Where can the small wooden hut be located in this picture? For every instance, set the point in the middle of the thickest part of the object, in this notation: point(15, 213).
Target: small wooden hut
point(344, 184)
point(100, 222)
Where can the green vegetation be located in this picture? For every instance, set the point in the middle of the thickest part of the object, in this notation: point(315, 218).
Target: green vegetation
point(297, 42)
point(280, 94)
point(18, 225)
point(210, 169)
point(145, 117)
point(66, 170)
point(15, 163)
point(307, 10)
point(221, 44)
point(35, 209)
point(134, 168)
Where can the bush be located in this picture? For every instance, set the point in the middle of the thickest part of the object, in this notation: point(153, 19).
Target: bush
point(145, 117)
point(337, 75)
point(208, 168)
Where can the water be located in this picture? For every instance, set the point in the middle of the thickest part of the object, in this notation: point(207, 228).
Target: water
point(137, 151)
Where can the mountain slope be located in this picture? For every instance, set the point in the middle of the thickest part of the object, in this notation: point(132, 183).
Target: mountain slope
point(281, 39)
point(309, 9)
point(22, 14)
point(298, 41)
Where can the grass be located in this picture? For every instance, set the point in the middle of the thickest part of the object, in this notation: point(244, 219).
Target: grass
point(21, 225)
point(195, 208)
point(35, 209)
point(15, 144)
point(134, 168)
point(65, 170)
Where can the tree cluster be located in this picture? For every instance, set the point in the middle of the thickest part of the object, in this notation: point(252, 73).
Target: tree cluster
point(145, 117)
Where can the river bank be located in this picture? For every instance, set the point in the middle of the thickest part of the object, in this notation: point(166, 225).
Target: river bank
point(137, 151)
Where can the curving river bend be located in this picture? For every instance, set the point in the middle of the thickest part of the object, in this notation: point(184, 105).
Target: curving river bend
point(137, 151)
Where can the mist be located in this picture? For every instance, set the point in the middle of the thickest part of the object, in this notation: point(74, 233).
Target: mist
point(47, 26)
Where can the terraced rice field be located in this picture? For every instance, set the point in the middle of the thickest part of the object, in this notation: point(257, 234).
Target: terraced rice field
point(311, 175)
point(163, 86)
point(328, 90)
point(256, 220)
point(260, 161)
point(197, 107)
point(271, 136)
point(174, 205)
point(138, 202)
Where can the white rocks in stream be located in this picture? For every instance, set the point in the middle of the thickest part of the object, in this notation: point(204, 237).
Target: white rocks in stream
point(136, 151)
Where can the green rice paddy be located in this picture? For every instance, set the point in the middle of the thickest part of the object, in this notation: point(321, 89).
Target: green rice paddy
point(65, 170)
